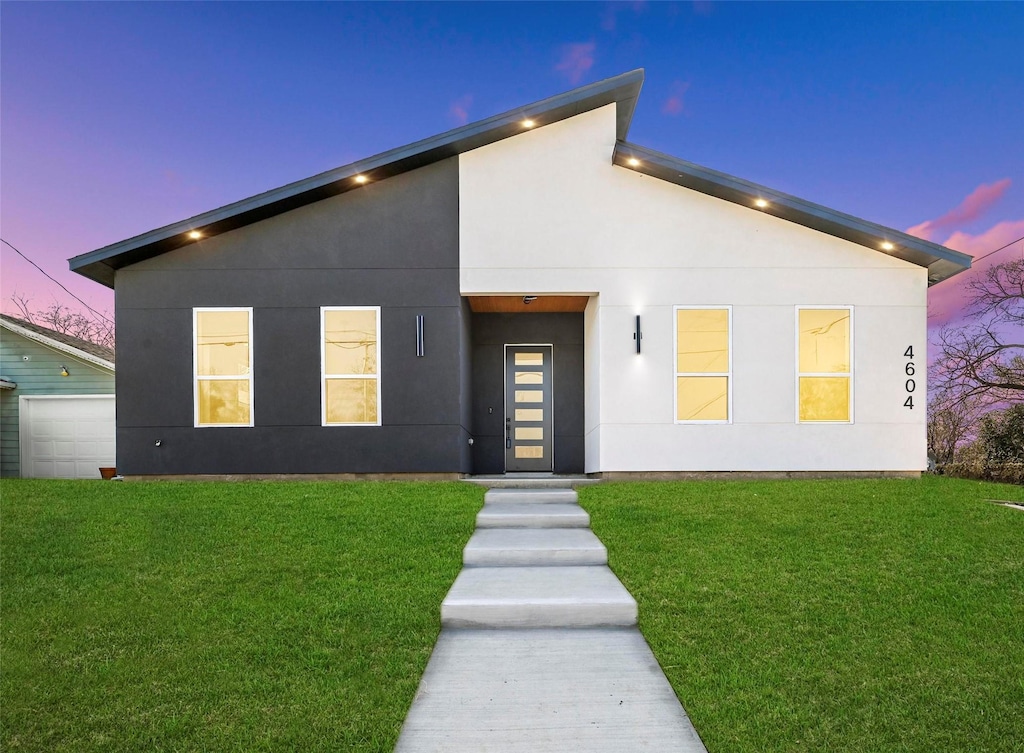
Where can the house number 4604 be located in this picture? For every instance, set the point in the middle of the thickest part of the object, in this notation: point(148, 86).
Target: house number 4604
point(910, 385)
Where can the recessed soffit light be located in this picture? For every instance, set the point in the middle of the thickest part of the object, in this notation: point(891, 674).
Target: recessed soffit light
point(195, 235)
point(361, 179)
point(633, 162)
point(761, 203)
point(887, 246)
point(528, 123)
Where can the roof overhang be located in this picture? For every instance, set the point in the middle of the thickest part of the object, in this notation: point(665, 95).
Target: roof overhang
point(57, 345)
point(623, 90)
point(940, 261)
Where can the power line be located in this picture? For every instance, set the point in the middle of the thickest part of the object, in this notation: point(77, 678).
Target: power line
point(975, 261)
point(51, 279)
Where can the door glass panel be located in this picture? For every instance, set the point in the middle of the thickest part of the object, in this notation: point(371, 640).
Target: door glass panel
point(529, 359)
point(529, 377)
point(222, 343)
point(350, 342)
point(824, 340)
point(529, 396)
point(702, 340)
point(529, 414)
point(351, 401)
point(529, 432)
point(702, 398)
point(529, 452)
point(223, 401)
point(824, 398)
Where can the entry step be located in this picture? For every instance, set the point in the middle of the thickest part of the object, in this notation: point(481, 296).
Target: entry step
point(536, 597)
point(531, 496)
point(522, 547)
point(519, 515)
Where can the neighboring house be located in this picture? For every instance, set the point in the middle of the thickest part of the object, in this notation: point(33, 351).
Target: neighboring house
point(56, 403)
point(527, 293)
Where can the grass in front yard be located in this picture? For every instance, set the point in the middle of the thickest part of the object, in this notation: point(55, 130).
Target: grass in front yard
point(829, 615)
point(220, 616)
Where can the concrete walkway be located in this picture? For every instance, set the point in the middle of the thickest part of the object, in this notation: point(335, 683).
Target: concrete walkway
point(539, 649)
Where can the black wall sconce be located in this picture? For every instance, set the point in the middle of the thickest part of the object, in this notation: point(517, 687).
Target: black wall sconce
point(638, 335)
point(420, 351)
point(64, 371)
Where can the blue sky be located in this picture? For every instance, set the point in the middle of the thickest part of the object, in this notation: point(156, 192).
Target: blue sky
point(121, 117)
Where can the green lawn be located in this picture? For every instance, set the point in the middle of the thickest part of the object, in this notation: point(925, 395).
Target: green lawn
point(213, 616)
point(832, 615)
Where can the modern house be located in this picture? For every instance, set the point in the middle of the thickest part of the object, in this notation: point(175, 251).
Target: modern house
point(531, 292)
point(56, 403)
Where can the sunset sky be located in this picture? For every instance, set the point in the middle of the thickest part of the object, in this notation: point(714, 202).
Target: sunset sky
point(118, 118)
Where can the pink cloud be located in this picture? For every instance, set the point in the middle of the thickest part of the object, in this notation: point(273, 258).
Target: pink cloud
point(459, 109)
point(948, 299)
point(979, 201)
point(674, 104)
point(577, 59)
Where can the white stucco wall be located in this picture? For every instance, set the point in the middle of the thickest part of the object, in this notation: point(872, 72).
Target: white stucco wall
point(547, 212)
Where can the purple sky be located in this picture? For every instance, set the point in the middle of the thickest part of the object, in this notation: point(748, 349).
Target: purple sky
point(118, 118)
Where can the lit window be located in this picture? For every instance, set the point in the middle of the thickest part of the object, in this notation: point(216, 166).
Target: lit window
point(222, 366)
point(350, 357)
point(703, 364)
point(824, 364)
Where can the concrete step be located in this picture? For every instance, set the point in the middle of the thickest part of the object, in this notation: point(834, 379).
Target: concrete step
point(545, 691)
point(530, 481)
point(535, 597)
point(520, 515)
point(527, 547)
point(531, 496)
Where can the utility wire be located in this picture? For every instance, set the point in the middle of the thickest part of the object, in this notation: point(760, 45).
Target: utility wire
point(101, 316)
point(976, 260)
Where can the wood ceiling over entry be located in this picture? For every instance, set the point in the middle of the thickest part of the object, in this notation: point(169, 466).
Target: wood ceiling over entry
point(517, 304)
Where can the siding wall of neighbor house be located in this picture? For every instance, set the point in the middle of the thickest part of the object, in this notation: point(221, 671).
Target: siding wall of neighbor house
point(491, 332)
point(392, 244)
point(40, 375)
point(545, 211)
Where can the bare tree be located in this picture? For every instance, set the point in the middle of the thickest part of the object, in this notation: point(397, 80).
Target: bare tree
point(952, 422)
point(68, 321)
point(984, 360)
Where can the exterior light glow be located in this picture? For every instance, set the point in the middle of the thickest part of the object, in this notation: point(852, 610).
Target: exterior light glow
point(361, 179)
point(528, 124)
point(886, 246)
point(761, 203)
point(195, 235)
point(633, 162)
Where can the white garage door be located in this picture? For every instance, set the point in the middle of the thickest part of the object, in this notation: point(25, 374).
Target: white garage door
point(66, 436)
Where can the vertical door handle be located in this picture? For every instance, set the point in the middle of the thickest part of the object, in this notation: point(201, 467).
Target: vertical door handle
point(508, 433)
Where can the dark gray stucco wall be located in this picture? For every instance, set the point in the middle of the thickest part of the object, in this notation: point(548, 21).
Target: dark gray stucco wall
point(490, 333)
point(393, 244)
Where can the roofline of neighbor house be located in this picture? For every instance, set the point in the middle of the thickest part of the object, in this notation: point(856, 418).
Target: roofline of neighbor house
point(57, 345)
point(622, 90)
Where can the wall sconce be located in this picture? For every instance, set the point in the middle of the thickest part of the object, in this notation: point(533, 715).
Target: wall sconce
point(528, 299)
point(638, 335)
point(420, 351)
point(64, 371)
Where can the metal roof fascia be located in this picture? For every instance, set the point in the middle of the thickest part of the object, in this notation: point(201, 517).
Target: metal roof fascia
point(623, 90)
point(944, 261)
point(57, 345)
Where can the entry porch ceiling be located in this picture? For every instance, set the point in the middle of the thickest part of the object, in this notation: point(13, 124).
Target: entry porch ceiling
point(517, 304)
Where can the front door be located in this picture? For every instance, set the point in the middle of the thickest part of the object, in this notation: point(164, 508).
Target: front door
point(528, 414)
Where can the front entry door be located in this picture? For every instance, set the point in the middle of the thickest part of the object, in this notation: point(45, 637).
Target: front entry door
point(528, 414)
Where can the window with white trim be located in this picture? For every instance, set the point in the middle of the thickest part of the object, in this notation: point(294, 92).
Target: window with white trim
point(222, 366)
point(349, 365)
point(703, 337)
point(824, 388)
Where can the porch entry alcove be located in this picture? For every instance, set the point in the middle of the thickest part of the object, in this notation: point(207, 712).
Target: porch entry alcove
point(527, 384)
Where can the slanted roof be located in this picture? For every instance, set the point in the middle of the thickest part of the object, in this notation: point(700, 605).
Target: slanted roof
point(97, 355)
point(623, 91)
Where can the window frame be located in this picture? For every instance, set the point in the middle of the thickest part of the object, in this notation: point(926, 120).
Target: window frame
point(196, 310)
point(847, 374)
point(324, 376)
point(676, 373)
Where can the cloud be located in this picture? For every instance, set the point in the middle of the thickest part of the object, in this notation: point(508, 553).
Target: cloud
point(979, 201)
point(610, 17)
point(947, 300)
point(459, 109)
point(674, 104)
point(577, 59)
